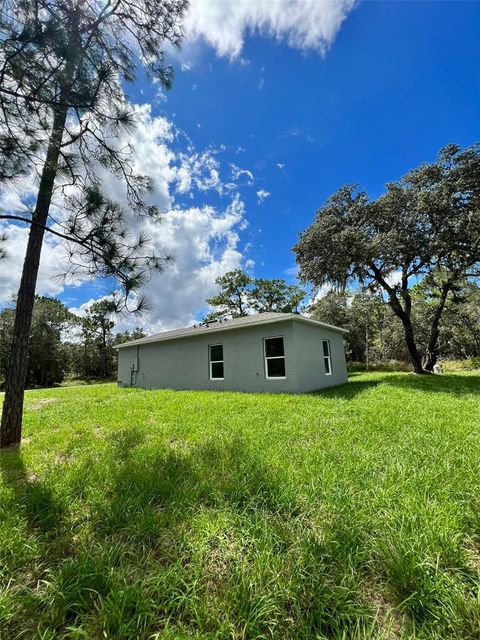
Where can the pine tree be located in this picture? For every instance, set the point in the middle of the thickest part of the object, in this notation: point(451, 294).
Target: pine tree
point(63, 111)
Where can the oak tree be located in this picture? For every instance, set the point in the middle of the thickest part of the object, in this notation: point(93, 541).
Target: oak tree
point(426, 225)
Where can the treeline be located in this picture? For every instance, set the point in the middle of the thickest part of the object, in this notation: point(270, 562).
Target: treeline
point(377, 336)
point(64, 345)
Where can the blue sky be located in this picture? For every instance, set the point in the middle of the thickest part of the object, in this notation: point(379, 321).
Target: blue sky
point(398, 81)
point(401, 80)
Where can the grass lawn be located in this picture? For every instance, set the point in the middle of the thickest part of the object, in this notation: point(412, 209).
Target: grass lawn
point(351, 513)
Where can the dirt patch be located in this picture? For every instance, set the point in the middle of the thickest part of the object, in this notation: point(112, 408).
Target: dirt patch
point(40, 403)
point(63, 458)
point(388, 619)
point(473, 558)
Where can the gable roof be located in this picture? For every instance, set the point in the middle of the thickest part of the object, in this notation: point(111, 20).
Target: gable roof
point(226, 325)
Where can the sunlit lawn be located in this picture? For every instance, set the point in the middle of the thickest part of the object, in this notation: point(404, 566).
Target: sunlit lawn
point(351, 513)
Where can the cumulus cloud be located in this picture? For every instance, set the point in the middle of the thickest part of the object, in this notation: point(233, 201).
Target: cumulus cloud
point(10, 202)
point(302, 24)
point(201, 225)
point(53, 264)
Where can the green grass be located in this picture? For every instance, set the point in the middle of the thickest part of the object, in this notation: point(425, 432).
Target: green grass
point(352, 513)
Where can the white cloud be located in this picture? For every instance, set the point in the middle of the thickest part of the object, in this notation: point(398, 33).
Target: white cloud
point(281, 165)
point(237, 173)
point(291, 272)
point(204, 238)
point(262, 195)
point(10, 202)
point(52, 265)
point(394, 278)
point(260, 84)
point(302, 24)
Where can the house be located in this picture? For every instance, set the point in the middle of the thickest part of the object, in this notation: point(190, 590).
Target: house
point(270, 352)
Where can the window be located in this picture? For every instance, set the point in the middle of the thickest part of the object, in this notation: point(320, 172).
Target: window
point(216, 361)
point(274, 358)
point(327, 360)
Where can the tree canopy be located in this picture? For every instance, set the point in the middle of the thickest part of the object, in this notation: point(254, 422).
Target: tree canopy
point(240, 295)
point(426, 225)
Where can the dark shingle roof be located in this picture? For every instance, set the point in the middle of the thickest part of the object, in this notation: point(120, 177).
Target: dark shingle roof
point(213, 327)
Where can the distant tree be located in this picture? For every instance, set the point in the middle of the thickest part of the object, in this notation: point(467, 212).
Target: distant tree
point(7, 317)
point(233, 299)
point(97, 340)
point(46, 363)
point(241, 295)
point(427, 225)
point(459, 328)
point(127, 336)
point(276, 295)
point(362, 314)
point(63, 68)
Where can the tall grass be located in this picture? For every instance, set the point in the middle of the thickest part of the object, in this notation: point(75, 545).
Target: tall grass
point(353, 513)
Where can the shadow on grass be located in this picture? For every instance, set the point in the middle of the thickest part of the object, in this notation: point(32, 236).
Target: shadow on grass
point(348, 391)
point(33, 498)
point(208, 535)
point(169, 526)
point(166, 503)
point(458, 385)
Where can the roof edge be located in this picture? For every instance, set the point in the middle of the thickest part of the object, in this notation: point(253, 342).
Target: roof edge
point(319, 323)
point(291, 317)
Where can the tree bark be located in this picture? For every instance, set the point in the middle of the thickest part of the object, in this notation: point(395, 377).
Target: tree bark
point(11, 425)
point(403, 313)
point(409, 335)
point(431, 353)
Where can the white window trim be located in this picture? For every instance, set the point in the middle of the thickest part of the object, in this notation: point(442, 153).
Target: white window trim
point(266, 358)
point(210, 361)
point(329, 358)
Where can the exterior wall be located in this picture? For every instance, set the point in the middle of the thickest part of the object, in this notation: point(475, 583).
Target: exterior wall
point(183, 363)
point(309, 353)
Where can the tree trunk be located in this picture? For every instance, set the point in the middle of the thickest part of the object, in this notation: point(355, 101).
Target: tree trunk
point(409, 335)
point(11, 426)
point(431, 354)
point(367, 349)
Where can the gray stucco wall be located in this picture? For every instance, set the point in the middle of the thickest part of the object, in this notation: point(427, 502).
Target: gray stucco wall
point(184, 364)
point(309, 353)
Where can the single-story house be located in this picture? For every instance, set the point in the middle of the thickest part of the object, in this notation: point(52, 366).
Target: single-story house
point(270, 352)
